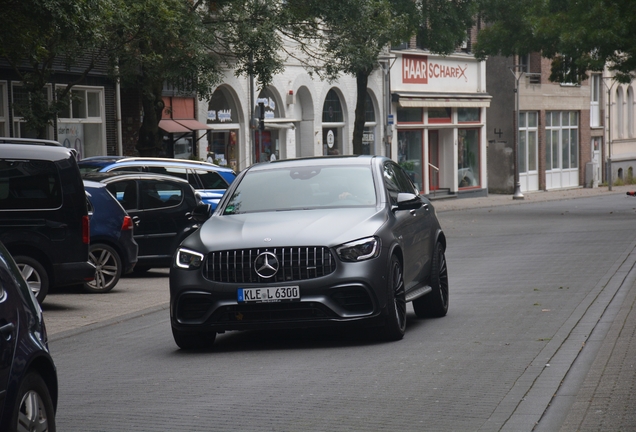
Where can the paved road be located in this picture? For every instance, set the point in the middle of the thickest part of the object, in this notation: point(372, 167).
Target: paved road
point(530, 283)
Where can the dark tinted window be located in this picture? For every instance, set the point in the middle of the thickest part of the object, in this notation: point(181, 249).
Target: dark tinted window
point(125, 192)
point(210, 180)
point(29, 185)
point(128, 168)
point(160, 194)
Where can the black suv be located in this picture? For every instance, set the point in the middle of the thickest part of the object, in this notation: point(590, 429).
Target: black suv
point(43, 214)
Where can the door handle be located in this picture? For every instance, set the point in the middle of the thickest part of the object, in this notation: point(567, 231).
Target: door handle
point(7, 330)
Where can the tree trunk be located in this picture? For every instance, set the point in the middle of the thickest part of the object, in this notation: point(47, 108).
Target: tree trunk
point(362, 79)
point(150, 142)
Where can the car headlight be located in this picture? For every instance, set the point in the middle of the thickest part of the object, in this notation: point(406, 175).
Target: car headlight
point(188, 259)
point(359, 250)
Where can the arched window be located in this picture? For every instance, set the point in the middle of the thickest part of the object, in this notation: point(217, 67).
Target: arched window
point(630, 111)
point(369, 135)
point(332, 125)
point(620, 125)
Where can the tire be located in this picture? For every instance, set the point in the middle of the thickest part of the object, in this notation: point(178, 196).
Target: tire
point(193, 341)
point(107, 268)
point(396, 302)
point(35, 275)
point(34, 406)
point(435, 303)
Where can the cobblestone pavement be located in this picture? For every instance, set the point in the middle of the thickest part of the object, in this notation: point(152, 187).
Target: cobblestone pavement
point(603, 400)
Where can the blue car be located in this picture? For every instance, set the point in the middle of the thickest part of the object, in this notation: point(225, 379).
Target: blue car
point(113, 249)
point(28, 377)
point(209, 180)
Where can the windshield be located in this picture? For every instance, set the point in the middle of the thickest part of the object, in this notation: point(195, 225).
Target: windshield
point(85, 167)
point(303, 188)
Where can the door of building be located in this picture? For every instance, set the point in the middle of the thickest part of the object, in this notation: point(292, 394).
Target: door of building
point(433, 160)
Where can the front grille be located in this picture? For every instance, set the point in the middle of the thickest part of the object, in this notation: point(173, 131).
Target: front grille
point(295, 264)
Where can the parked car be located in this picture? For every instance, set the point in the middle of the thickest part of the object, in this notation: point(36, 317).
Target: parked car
point(209, 180)
point(28, 377)
point(43, 214)
point(311, 242)
point(161, 208)
point(113, 249)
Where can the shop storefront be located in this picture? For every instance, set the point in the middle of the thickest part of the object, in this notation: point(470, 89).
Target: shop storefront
point(440, 107)
point(180, 127)
point(222, 119)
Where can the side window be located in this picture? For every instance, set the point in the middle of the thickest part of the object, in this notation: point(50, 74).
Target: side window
point(404, 182)
point(29, 185)
point(125, 192)
point(391, 183)
point(211, 180)
point(160, 194)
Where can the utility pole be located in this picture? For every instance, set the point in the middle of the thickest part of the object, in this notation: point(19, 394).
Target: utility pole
point(517, 71)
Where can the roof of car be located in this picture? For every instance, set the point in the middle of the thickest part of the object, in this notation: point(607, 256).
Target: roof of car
point(155, 161)
point(108, 176)
point(29, 141)
point(27, 151)
point(317, 160)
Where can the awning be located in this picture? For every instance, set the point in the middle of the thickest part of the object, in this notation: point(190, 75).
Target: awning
point(182, 125)
point(172, 126)
point(432, 100)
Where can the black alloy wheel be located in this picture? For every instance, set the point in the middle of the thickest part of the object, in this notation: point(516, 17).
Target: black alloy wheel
point(107, 268)
point(35, 275)
point(435, 303)
point(396, 302)
point(34, 408)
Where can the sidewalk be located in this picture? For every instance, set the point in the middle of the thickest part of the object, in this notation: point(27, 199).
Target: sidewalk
point(605, 400)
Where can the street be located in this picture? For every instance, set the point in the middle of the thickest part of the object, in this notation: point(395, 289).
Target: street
point(528, 284)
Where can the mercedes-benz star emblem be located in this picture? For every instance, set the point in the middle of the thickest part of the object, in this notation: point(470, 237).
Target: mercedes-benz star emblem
point(266, 265)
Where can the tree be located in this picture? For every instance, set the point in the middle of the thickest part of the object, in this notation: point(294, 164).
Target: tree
point(353, 33)
point(40, 37)
point(578, 35)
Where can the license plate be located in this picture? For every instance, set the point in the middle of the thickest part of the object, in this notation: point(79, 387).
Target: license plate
point(269, 294)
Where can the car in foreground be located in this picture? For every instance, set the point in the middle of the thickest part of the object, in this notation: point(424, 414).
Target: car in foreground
point(28, 377)
point(43, 214)
point(208, 179)
point(161, 208)
point(311, 242)
point(113, 249)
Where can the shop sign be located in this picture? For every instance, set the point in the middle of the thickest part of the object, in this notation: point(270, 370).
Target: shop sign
point(212, 115)
point(224, 115)
point(418, 70)
point(71, 135)
point(368, 137)
point(330, 139)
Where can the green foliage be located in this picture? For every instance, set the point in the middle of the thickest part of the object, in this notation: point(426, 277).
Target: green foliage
point(579, 35)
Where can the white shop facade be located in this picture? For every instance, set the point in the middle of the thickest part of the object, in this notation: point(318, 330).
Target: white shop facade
point(439, 121)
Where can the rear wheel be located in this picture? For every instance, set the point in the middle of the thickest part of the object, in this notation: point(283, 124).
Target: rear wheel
point(193, 341)
point(435, 303)
point(34, 407)
point(35, 275)
point(107, 268)
point(396, 302)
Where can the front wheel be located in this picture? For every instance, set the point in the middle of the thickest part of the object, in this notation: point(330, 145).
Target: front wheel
point(107, 268)
point(35, 276)
point(193, 341)
point(396, 302)
point(34, 407)
point(435, 303)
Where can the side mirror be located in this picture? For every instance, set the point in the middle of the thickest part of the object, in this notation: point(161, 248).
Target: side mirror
point(202, 212)
point(408, 201)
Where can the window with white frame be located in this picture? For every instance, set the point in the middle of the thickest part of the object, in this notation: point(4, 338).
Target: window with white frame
point(82, 125)
point(19, 103)
point(528, 142)
point(562, 140)
point(595, 96)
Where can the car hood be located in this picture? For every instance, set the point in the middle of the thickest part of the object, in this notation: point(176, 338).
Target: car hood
point(324, 227)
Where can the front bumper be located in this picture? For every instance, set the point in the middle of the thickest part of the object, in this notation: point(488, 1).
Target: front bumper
point(354, 294)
